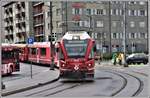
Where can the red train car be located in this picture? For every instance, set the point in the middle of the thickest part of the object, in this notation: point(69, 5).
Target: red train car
point(40, 52)
point(10, 59)
point(76, 56)
point(23, 51)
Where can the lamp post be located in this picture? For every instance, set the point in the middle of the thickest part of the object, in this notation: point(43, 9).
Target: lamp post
point(124, 33)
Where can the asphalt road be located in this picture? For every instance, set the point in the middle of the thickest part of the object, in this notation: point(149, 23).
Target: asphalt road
point(109, 81)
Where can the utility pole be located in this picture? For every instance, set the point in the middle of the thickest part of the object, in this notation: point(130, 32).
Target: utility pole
point(124, 33)
point(148, 6)
point(110, 28)
point(51, 41)
point(66, 16)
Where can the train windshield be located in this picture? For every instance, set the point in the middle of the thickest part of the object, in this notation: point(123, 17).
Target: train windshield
point(75, 48)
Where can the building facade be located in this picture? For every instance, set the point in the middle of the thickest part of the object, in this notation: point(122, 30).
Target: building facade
point(17, 22)
point(104, 21)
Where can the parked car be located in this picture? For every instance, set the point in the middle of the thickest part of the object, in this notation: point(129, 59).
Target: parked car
point(137, 58)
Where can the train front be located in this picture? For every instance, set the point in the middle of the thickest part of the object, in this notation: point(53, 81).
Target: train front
point(77, 57)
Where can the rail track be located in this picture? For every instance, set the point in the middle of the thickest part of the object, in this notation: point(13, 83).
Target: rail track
point(129, 82)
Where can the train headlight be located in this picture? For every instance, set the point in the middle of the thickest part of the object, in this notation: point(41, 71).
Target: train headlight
point(76, 67)
point(63, 65)
point(89, 64)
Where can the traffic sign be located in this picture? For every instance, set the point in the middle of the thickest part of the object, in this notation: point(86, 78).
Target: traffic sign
point(30, 40)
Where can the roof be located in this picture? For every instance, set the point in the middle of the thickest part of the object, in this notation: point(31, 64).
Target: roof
point(76, 35)
point(19, 45)
point(40, 44)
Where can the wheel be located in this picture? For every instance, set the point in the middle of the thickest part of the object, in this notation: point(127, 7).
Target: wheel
point(145, 62)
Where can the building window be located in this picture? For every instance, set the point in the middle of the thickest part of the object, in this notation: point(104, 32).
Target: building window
point(76, 11)
point(77, 24)
point(95, 35)
point(99, 24)
point(132, 24)
point(142, 24)
point(114, 23)
point(132, 12)
point(88, 11)
point(142, 35)
point(105, 35)
point(114, 36)
point(132, 2)
point(132, 35)
point(120, 35)
point(80, 23)
point(142, 13)
point(86, 24)
point(141, 2)
point(57, 24)
point(100, 12)
point(121, 11)
point(114, 12)
point(58, 12)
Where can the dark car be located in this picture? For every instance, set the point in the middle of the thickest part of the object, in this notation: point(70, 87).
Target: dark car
point(137, 58)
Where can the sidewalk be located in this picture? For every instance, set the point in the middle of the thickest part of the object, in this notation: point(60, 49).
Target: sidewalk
point(104, 63)
point(27, 83)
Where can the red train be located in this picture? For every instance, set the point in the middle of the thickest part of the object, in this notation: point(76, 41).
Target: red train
point(76, 56)
point(10, 62)
point(23, 51)
point(38, 52)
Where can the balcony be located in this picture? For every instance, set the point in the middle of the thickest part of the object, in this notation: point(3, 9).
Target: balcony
point(18, 6)
point(23, 4)
point(38, 24)
point(37, 3)
point(9, 28)
point(38, 13)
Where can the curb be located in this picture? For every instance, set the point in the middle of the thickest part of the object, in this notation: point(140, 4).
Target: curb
point(28, 88)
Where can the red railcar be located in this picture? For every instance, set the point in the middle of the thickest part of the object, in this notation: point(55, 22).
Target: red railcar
point(10, 59)
point(76, 56)
point(40, 52)
point(23, 51)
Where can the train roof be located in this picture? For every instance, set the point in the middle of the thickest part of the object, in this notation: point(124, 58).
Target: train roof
point(40, 44)
point(7, 47)
point(19, 45)
point(70, 35)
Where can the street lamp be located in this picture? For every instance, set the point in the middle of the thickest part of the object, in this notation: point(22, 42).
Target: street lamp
point(124, 33)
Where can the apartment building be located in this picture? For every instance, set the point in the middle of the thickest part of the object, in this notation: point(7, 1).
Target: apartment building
point(17, 22)
point(105, 22)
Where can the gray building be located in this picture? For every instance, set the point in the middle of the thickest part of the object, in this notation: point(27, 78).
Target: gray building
point(17, 21)
point(104, 21)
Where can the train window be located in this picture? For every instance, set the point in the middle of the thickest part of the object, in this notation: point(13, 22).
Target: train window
point(33, 51)
point(61, 56)
point(7, 54)
point(91, 53)
point(43, 51)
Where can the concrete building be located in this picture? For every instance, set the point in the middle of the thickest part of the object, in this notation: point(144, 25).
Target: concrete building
point(104, 21)
point(17, 21)
point(41, 18)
